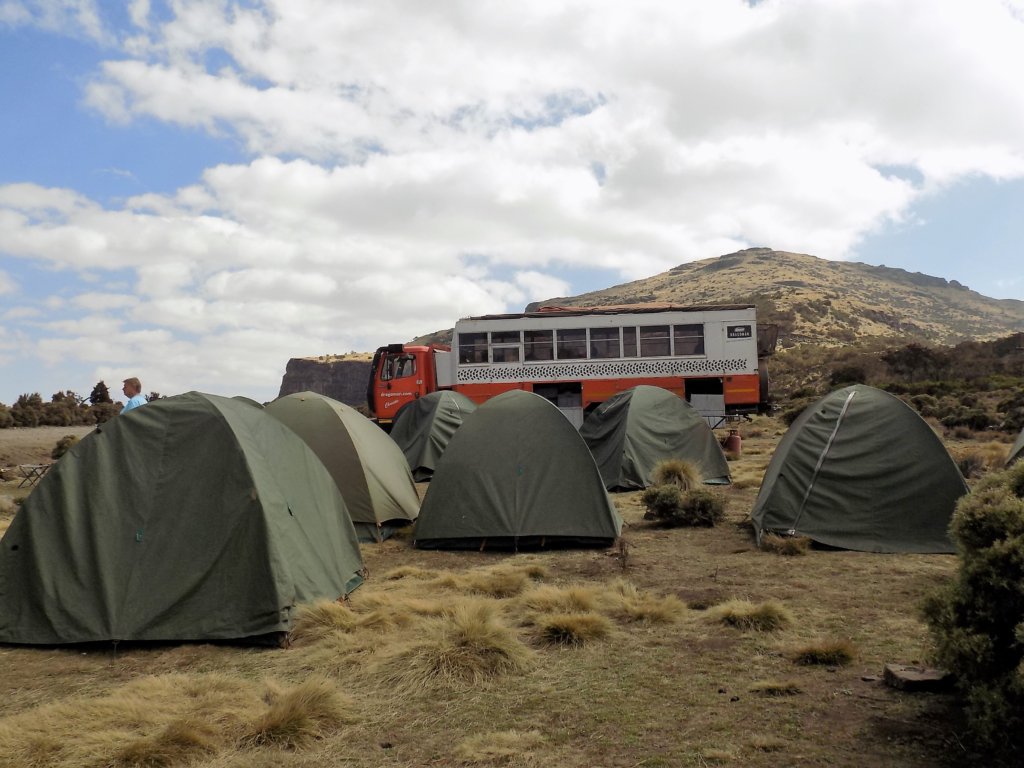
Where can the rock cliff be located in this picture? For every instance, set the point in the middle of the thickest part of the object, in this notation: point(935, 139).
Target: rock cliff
point(342, 378)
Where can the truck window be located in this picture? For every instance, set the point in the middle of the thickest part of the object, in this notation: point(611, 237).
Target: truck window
point(398, 367)
point(688, 339)
point(505, 346)
point(604, 343)
point(539, 345)
point(629, 341)
point(654, 341)
point(473, 348)
point(571, 344)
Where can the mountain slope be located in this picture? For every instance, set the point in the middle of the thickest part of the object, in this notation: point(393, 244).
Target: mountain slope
point(824, 302)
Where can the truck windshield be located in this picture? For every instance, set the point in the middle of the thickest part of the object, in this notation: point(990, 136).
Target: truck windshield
point(398, 367)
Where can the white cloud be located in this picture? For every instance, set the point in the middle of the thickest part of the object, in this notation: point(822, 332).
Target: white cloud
point(98, 302)
point(21, 313)
point(77, 18)
point(410, 162)
point(138, 12)
point(7, 283)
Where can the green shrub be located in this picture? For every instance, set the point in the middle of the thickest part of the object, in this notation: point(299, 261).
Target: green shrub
point(977, 621)
point(792, 413)
point(847, 374)
point(671, 507)
point(926, 405)
point(1015, 479)
point(63, 445)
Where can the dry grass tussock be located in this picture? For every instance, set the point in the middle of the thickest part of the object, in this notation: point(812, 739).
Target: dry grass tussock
point(979, 459)
point(314, 620)
point(469, 645)
point(573, 629)
point(678, 472)
point(832, 653)
point(766, 743)
point(788, 546)
point(498, 581)
point(775, 688)
point(553, 599)
point(743, 614)
point(499, 747)
point(165, 720)
point(408, 572)
point(311, 710)
point(409, 633)
point(628, 603)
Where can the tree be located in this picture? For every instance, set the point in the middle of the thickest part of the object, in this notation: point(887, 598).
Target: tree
point(100, 394)
point(28, 410)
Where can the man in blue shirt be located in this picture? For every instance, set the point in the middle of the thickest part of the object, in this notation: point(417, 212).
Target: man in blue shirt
point(133, 391)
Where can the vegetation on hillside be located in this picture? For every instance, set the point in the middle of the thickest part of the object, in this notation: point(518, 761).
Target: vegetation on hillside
point(974, 385)
point(822, 302)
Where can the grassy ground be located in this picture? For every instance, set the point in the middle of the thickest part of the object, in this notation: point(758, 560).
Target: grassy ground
point(619, 657)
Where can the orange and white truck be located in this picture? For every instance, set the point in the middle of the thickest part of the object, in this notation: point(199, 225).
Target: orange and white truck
point(578, 357)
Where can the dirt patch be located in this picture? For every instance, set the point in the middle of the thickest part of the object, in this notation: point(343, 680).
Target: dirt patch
point(32, 445)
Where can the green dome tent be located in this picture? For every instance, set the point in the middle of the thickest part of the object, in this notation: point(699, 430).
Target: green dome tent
point(424, 427)
point(516, 475)
point(1017, 451)
point(859, 469)
point(367, 466)
point(634, 430)
point(193, 517)
point(248, 401)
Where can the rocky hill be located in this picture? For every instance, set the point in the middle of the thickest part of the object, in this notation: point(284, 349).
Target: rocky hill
point(825, 302)
point(341, 377)
point(813, 301)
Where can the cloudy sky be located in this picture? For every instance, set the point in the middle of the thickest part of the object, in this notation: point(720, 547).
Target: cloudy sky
point(194, 191)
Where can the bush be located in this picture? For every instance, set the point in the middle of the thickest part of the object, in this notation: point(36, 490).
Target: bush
point(977, 621)
point(973, 418)
point(63, 445)
point(847, 374)
point(792, 413)
point(28, 410)
point(926, 405)
point(672, 508)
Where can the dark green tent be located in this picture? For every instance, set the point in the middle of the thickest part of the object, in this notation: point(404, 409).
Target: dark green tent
point(859, 469)
point(193, 517)
point(367, 466)
point(424, 427)
point(634, 430)
point(516, 475)
point(1017, 451)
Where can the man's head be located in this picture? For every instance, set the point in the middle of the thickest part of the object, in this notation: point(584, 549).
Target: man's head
point(132, 387)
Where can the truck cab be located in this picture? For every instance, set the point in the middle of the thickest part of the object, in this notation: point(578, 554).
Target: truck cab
point(400, 374)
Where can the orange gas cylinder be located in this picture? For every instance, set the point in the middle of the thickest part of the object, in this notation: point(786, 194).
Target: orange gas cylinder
point(733, 443)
